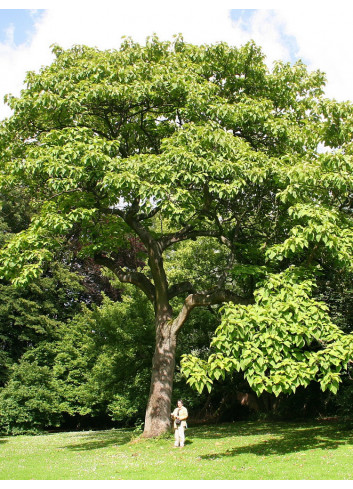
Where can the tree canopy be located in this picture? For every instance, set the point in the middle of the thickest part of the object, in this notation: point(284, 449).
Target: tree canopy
point(128, 154)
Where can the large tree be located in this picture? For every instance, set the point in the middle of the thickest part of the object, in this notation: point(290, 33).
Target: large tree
point(138, 150)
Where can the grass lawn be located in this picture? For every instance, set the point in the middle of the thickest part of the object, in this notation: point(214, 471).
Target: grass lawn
point(243, 450)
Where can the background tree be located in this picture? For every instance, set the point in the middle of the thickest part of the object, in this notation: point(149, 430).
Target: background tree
point(94, 369)
point(165, 143)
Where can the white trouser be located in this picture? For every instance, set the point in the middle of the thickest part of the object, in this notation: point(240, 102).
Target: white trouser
point(179, 436)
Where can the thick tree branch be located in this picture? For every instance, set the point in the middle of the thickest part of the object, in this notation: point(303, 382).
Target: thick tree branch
point(133, 209)
point(155, 261)
point(131, 277)
point(153, 212)
point(155, 258)
point(207, 298)
point(180, 288)
point(188, 232)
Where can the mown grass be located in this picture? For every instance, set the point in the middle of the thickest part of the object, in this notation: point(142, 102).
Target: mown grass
point(245, 451)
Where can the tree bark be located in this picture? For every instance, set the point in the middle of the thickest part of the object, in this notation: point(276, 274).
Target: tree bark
point(157, 419)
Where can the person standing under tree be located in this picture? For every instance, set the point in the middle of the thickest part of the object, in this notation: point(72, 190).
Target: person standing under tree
point(179, 416)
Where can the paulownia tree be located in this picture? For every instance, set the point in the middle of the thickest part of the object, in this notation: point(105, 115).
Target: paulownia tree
point(148, 147)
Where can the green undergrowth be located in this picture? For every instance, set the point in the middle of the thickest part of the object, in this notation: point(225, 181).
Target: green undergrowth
point(242, 450)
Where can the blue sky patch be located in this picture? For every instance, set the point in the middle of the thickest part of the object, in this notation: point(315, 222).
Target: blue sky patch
point(245, 17)
point(17, 25)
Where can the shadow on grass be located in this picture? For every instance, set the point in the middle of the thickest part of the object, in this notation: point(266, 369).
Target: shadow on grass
point(94, 440)
point(3, 440)
point(279, 439)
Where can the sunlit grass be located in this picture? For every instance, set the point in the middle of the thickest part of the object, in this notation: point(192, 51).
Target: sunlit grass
point(229, 451)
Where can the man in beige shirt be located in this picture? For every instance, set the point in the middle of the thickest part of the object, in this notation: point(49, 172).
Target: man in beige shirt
point(179, 416)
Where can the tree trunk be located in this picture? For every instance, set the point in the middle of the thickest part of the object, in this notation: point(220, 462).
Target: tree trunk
point(157, 420)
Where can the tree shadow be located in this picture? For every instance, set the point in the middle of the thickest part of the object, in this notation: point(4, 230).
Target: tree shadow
point(3, 440)
point(284, 439)
point(94, 440)
point(236, 429)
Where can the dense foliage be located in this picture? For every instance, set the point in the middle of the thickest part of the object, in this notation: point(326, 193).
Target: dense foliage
point(283, 341)
point(97, 365)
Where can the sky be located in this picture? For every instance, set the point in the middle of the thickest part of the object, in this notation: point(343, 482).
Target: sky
point(318, 33)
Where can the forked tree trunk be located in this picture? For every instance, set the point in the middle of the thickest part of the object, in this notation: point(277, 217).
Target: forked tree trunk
point(157, 420)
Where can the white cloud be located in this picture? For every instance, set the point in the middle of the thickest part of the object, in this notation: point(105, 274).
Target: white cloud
point(323, 37)
point(266, 30)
